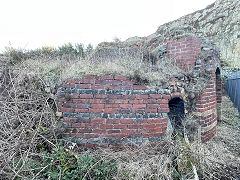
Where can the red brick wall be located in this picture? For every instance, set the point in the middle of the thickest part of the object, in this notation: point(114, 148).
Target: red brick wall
point(112, 110)
point(185, 51)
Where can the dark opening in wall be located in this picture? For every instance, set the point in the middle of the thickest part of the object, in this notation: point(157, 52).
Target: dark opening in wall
point(218, 93)
point(176, 114)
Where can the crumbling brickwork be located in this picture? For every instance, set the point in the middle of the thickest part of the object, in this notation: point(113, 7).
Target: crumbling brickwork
point(107, 109)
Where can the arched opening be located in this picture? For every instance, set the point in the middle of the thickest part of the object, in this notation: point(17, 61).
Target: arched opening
point(176, 114)
point(218, 93)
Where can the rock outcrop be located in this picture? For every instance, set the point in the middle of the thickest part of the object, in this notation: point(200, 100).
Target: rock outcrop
point(218, 23)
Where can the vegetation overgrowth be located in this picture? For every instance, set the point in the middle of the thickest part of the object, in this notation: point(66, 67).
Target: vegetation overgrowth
point(32, 146)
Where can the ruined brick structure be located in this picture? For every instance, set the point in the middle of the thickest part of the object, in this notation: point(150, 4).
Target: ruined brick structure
point(109, 109)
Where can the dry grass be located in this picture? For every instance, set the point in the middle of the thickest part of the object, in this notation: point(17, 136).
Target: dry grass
point(220, 157)
point(27, 123)
point(55, 71)
point(146, 162)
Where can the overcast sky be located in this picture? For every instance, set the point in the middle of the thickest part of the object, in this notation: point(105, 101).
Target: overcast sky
point(35, 23)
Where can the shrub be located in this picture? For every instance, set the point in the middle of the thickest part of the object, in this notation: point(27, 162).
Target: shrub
point(14, 55)
point(61, 162)
point(66, 49)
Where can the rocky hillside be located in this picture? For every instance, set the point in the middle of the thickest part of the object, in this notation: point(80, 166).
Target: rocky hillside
point(218, 22)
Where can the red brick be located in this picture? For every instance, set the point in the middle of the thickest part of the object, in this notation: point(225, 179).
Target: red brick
point(121, 101)
point(129, 97)
point(83, 86)
point(151, 110)
point(99, 131)
point(111, 105)
point(142, 96)
point(164, 120)
point(154, 121)
point(100, 96)
point(113, 131)
point(128, 82)
point(84, 101)
point(88, 136)
point(106, 77)
point(113, 96)
point(139, 106)
point(124, 78)
point(68, 85)
point(164, 106)
point(111, 87)
point(92, 125)
point(126, 87)
point(119, 126)
point(115, 82)
point(155, 130)
point(98, 120)
point(164, 96)
point(162, 101)
point(163, 110)
point(66, 119)
point(134, 126)
point(98, 86)
point(125, 106)
point(85, 96)
point(128, 131)
point(139, 101)
point(86, 81)
point(61, 100)
point(112, 121)
point(150, 101)
point(97, 106)
point(161, 125)
point(126, 121)
point(67, 110)
point(149, 126)
point(139, 87)
point(81, 110)
point(106, 126)
point(96, 110)
point(110, 110)
point(152, 106)
point(84, 130)
point(155, 96)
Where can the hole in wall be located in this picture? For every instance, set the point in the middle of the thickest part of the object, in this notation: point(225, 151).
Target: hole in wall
point(218, 93)
point(176, 114)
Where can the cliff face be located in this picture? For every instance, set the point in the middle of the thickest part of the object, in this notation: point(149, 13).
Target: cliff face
point(219, 22)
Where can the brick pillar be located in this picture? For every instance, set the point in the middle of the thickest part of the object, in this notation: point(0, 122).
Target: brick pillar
point(206, 110)
point(185, 52)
